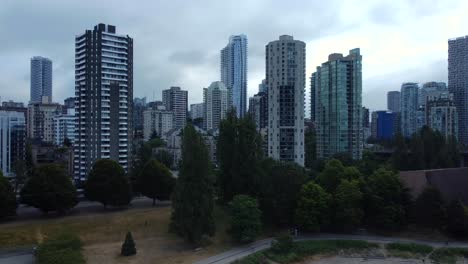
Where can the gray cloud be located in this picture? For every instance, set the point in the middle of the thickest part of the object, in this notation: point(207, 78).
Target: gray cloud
point(176, 42)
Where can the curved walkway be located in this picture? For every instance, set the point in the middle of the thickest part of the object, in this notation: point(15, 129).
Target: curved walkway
point(240, 252)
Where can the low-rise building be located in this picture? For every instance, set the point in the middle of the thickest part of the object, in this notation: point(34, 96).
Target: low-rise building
point(157, 120)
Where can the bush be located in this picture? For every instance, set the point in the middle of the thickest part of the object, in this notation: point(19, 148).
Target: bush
point(282, 244)
point(245, 218)
point(7, 198)
point(410, 247)
point(449, 254)
point(62, 248)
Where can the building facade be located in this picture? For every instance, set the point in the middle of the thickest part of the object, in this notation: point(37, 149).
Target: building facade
point(216, 101)
point(393, 101)
point(441, 114)
point(431, 89)
point(12, 140)
point(40, 126)
point(234, 72)
point(339, 106)
point(386, 125)
point(41, 79)
point(175, 100)
point(196, 111)
point(104, 98)
point(64, 127)
point(139, 106)
point(458, 82)
point(285, 78)
point(409, 104)
point(258, 109)
point(157, 120)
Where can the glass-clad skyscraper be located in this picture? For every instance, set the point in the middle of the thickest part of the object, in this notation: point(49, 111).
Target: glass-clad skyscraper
point(234, 72)
point(338, 93)
point(41, 79)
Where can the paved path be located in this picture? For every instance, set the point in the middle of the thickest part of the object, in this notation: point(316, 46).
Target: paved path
point(17, 259)
point(240, 252)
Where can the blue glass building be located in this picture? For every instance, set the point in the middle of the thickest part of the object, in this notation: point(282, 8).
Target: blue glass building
point(386, 124)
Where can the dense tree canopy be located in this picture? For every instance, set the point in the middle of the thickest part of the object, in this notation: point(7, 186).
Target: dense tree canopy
point(155, 181)
point(330, 177)
point(430, 208)
point(348, 205)
point(108, 184)
point(279, 186)
point(49, 189)
point(7, 198)
point(246, 221)
point(313, 205)
point(193, 199)
point(457, 219)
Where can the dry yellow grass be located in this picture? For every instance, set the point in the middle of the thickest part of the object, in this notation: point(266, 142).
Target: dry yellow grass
point(103, 234)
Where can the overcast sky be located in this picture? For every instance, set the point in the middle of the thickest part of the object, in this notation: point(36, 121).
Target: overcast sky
point(177, 43)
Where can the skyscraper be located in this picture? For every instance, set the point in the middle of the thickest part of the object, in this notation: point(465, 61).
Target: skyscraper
point(285, 78)
point(175, 100)
point(385, 124)
point(196, 110)
point(215, 100)
point(40, 118)
point(258, 108)
point(64, 127)
point(338, 85)
point(104, 98)
point(431, 89)
point(458, 82)
point(441, 114)
point(313, 99)
point(234, 71)
point(12, 140)
point(41, 79)
point(409, 108)
point(157, 120)
point(393, 101)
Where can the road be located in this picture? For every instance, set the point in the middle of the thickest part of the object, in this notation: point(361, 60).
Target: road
point(240, 252)
point(20, 256)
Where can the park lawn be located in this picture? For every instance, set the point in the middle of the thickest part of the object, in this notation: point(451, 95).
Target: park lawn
point(103, 233)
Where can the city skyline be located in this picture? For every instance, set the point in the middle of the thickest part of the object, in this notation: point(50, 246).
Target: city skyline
point(422, 56)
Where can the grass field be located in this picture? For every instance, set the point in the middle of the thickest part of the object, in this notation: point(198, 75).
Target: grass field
point(102, 235)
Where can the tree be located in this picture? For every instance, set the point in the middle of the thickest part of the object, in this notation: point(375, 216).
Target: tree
point(165, 157)
point(21, 173)
point(310, 148)
point(128, 247)
point(457, 219)
point(67, 142)
point(108, 184)
point(49, 189)
point(193, 198)
point(280, 184)
point(155, 181)
point(385, 200)
point(400, 157)
point(348, 205)
point(313, 204)
point(331, 175)
point(245, 218)
point(429, 208)
point(7, 198)
point(239, 155)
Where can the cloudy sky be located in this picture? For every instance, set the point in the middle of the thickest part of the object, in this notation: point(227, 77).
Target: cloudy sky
point(177, 43)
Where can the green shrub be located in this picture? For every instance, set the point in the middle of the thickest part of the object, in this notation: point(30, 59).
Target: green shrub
point(449, 255)
point(62, 248)
point(128, 247)
point(410, 247)
point(282, 244)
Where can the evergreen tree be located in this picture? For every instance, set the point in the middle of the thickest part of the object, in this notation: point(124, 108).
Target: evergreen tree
point(50, 189)
point(155, 181)
point(239, 155)
point(7, 198)
point(312, 213)
point(193, 199)
point(108, 184)
point(128, 247)
point(400, 157)
point(430, 208)
point(245, 218)
point(21, 173)
point(310, 148)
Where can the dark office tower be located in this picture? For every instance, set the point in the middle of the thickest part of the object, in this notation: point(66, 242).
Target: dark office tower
point(41, 79)
point(365, 117)
point(175, 100)
point(104, 98)
point(285, 79)
point(339, 105)
point(313, 98)
point(458, 82)
point(139, 106)
point(393, 101)
point(234, 72)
